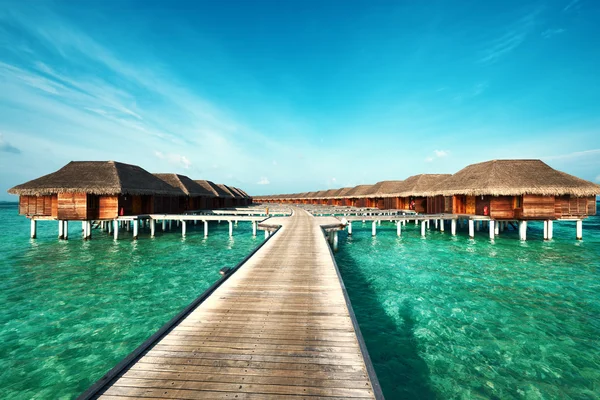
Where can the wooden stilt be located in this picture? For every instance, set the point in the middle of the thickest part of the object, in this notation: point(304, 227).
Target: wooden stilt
point(33, 228)
point(523, 230)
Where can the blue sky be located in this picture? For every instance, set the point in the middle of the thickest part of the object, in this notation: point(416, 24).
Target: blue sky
point(291, 96)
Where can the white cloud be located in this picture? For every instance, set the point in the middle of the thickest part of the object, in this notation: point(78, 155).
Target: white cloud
point(576, 154)
point(548, 33)
point(263, 181)
point(437, 154)
point(175, 159)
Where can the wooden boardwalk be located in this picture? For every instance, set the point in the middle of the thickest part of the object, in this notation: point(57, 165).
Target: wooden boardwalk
point(279, 327)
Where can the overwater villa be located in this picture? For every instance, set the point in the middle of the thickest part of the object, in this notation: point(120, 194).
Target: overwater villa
point(105, 191)
point(196, 197)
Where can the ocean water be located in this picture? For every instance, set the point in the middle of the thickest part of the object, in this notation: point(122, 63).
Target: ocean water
point(71, 310)
point(453, 318)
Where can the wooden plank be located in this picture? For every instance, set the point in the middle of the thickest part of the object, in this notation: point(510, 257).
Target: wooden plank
point(278, 327)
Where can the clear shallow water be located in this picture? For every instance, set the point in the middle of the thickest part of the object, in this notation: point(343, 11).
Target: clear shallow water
point(454, 318)
point(71, 310)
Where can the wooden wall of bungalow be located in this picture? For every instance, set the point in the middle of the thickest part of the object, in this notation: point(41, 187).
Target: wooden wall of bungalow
point(84, 206)
point(532, 207)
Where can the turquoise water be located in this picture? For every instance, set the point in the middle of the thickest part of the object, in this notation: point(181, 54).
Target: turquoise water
point(71, 310)
point(453, 318)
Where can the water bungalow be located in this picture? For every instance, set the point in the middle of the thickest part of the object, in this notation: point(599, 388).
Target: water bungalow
point(196, 197)
point(98, 190)
point(383, 195)
point(355, 196)
point(515, 190)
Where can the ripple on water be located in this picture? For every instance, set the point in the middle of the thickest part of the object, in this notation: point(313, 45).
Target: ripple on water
point(72, 309)
point(450, 317)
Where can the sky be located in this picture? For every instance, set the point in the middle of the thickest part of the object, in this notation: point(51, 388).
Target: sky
point(293, 96)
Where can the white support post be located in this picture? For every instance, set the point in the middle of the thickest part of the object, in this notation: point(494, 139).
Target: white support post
point(579, 229)
point(33, 228)
point(164, 225)
point(253, 228)
point(379, 222)
point(170, 224)
point(183, 228)
point(478, 226)
point(109, 225)
point(136, 226)
point(127, 225)
point(545, 230)
point(423, 229)
point(152, 227)
point(88, 230)
point(523, 230)
point(497, 228)
point(435, 223)
point(416, 222)
point(266, 234)
point(503, 226)
point(178, 223)
point(230, 228)
point(205, 228)
point(399, 228)
point(491, 224)
point(335, 240)
point(61, 228)
point(453, 227)
point(349, 228)
point(427, 222)
point(441, 225)
point(374, 228)
point(66, 230)
point(550, 229)
point(471, 228)
point(116, 230)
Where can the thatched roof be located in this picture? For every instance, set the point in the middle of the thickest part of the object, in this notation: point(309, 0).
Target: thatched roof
point(98, 178)
point(418, 185)
point(383, 189)
point(341, 193)
point(358, 191)
point(329, 193)
point(232, 192)
point(216, 189)
point(513, 178)
point(242, 192)
point(188, 186)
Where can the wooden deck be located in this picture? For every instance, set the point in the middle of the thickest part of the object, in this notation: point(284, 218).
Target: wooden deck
point(279, 327)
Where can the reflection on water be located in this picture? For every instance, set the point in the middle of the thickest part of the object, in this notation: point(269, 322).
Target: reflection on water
point(72, 309)
point(453, 318)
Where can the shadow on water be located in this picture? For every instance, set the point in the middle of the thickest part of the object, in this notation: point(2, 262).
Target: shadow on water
point(390, 339)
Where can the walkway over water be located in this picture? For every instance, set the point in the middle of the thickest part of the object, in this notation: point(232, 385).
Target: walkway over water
point(279, 327)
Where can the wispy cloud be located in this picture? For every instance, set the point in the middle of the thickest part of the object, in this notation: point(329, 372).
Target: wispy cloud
point(263, 181)
point(515, 35)
point(177, 160)
point(6, 147)
point(548, 33)
point(574, 155)
point(572, 5)
point(436, 155)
